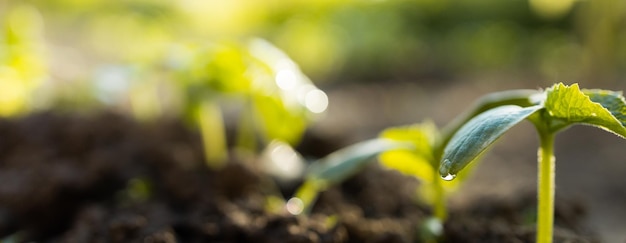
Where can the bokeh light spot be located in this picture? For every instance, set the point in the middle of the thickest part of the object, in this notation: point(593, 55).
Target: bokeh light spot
point(316, 101)
point(286, 79)
point(295, 206)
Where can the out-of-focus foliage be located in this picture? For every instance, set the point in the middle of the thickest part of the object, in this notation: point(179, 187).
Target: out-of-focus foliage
point(336, 41)
point(22, 66)
point(255, 74)
point(364, 38)
point(274, 99)
point(158, 55)
point(132, 30)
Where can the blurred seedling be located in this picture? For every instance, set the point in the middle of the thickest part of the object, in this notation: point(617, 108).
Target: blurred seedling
point(335, 168)
point(268, 93)
point(552, 111)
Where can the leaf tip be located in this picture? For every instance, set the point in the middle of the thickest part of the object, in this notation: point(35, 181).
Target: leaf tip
point(445, 170)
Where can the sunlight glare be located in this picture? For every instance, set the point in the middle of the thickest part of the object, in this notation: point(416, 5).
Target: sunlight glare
point(286, 79)
point(295, 206)
point(316, 101)
point(282, 161)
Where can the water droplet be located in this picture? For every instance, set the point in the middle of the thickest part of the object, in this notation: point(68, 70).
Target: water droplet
point(444, 170)
point(448, 177)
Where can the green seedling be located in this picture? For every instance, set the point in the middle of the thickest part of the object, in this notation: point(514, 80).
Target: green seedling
point(335, 168)
point(274, 100)
point(429, 154)
point(552, 111)
point(415, 150)
point(252, 83)
point(422, 160)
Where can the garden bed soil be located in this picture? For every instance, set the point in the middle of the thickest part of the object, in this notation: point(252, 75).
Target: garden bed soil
point(106, 178)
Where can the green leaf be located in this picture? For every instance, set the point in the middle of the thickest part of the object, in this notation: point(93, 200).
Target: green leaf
point(477, 134)
point(611, 100)
point(278, 121)
point(338, 166)
point(343, 163)
point(519, 97)
point(419, 161)
point(599, 108)
point(422, 136)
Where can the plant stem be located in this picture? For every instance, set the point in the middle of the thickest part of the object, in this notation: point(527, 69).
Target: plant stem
point(545, 187)
point(440, 198)
point(246, 138)
point(439, 208)
point(213, 134)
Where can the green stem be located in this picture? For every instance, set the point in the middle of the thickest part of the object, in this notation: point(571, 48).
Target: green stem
point(545, 208)
point(246, 138)
point(307, 193)
point(213, 134)
point(440, 210)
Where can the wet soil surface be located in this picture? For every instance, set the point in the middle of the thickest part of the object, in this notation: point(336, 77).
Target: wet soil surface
point(106, 178)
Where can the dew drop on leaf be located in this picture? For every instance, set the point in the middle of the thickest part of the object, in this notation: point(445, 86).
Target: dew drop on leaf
point(444, 170)
point(448, 177)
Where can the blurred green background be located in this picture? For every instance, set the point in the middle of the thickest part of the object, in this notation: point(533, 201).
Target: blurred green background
point(57, 47)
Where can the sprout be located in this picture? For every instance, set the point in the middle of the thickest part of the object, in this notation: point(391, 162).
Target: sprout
point(424, 159)
point(275, 99)
point(431, 155)
point(335, 168)
point(561, 107)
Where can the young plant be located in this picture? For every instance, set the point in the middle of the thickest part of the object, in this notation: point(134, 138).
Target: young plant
point(335, 168)
point(422, 160)
point(554, 110)
point(415, 150)
point(256, 80)
point(426, 153)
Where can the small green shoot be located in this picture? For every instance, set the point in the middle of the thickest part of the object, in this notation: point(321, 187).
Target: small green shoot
point(274, 100)
point(335, 168)
point(414, 150)
point(556, 109)
point(423, 159)
point(427, 153)
point(213, 134)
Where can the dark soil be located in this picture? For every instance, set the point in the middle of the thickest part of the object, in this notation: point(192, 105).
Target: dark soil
point(105, 178)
